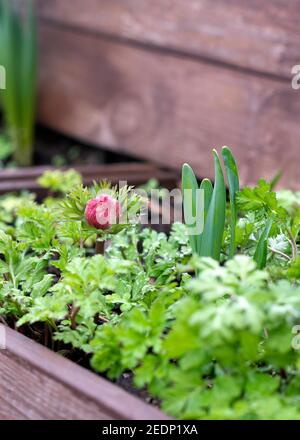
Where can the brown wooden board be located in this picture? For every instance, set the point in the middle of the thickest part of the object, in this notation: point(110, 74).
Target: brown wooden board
point(260, 35)
point(36, 383)
point(122, 168)
point(167, 108)
point(133, 173)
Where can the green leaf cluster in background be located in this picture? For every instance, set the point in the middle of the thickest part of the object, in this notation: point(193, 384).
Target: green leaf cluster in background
point(62, 182)
point(18, 53)
point(209, 242)
point(224, 224)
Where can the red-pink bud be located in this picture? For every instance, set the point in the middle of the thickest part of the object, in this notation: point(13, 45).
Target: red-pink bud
point(103, 211)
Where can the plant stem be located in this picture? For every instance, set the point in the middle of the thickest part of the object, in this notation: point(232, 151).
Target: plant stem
point(73, 314)
point(3, 320)
point(100, 247)
point(103, 318)
point(46, 339)
point(282, 254)
point(293, 243)
point(12, 275)
point(23, 158)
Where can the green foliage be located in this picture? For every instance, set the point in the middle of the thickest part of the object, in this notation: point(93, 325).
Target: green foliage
point(208, 339)
point(122, 347)
point(234, 187)
point(24, 276)
point(212, 236)
point(213, 209)
point(256, 215)
point(36, 227)
point(9, 205)
point(239, 343)
point(18, 49)
point(259, 198)
point(228, 350)
point(260, 255)
point(60, 182)
point(72, 208)
point(6, 150)
point(190, 204)
point(271, 219)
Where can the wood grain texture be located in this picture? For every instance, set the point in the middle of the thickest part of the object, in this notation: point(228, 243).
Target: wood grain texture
point(261, 35)
point(135, 173)
point(36, 383)
point(165, 108)
point(103, 171)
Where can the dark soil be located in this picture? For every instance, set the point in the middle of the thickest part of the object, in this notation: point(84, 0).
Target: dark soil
point(56, 149)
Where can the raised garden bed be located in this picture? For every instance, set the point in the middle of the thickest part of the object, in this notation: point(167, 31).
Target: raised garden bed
point(201, 319)
point(203, 325)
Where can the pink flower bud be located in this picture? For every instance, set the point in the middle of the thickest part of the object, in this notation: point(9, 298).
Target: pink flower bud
point(103, 211)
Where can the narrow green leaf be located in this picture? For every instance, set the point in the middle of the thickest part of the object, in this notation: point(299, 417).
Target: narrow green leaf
point(28, 83)
point(189, 191)
point(275, 179)
point(207, 187)
point(260, 255)
point(215, 221)
point(18, 48)
point(234, 187)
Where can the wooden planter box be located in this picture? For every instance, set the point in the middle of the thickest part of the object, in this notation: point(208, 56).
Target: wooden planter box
point(38, 384)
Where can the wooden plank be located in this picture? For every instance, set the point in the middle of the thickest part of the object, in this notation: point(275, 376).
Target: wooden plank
point(259, 35)
point(36, 383)
point(8, 411)
point(122, 168)
point(15, 180)
point(165, 108)
point(132, 172)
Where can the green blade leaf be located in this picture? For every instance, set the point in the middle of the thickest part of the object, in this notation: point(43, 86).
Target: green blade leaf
point(234, 187)
point(260, 255)
point(18, 49)
point(207, 187)
point(28, 84)
point(189, 191)
point(215, 221)
point(10, 54)
point(275, 179)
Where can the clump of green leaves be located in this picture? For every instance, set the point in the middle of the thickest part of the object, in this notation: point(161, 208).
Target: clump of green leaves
point(18, 50)
point(254, 217)
point(209, 339)
point(269, 223)
point(57, 181)
point(222, 352)
point(213, 210)
point(232, 341)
